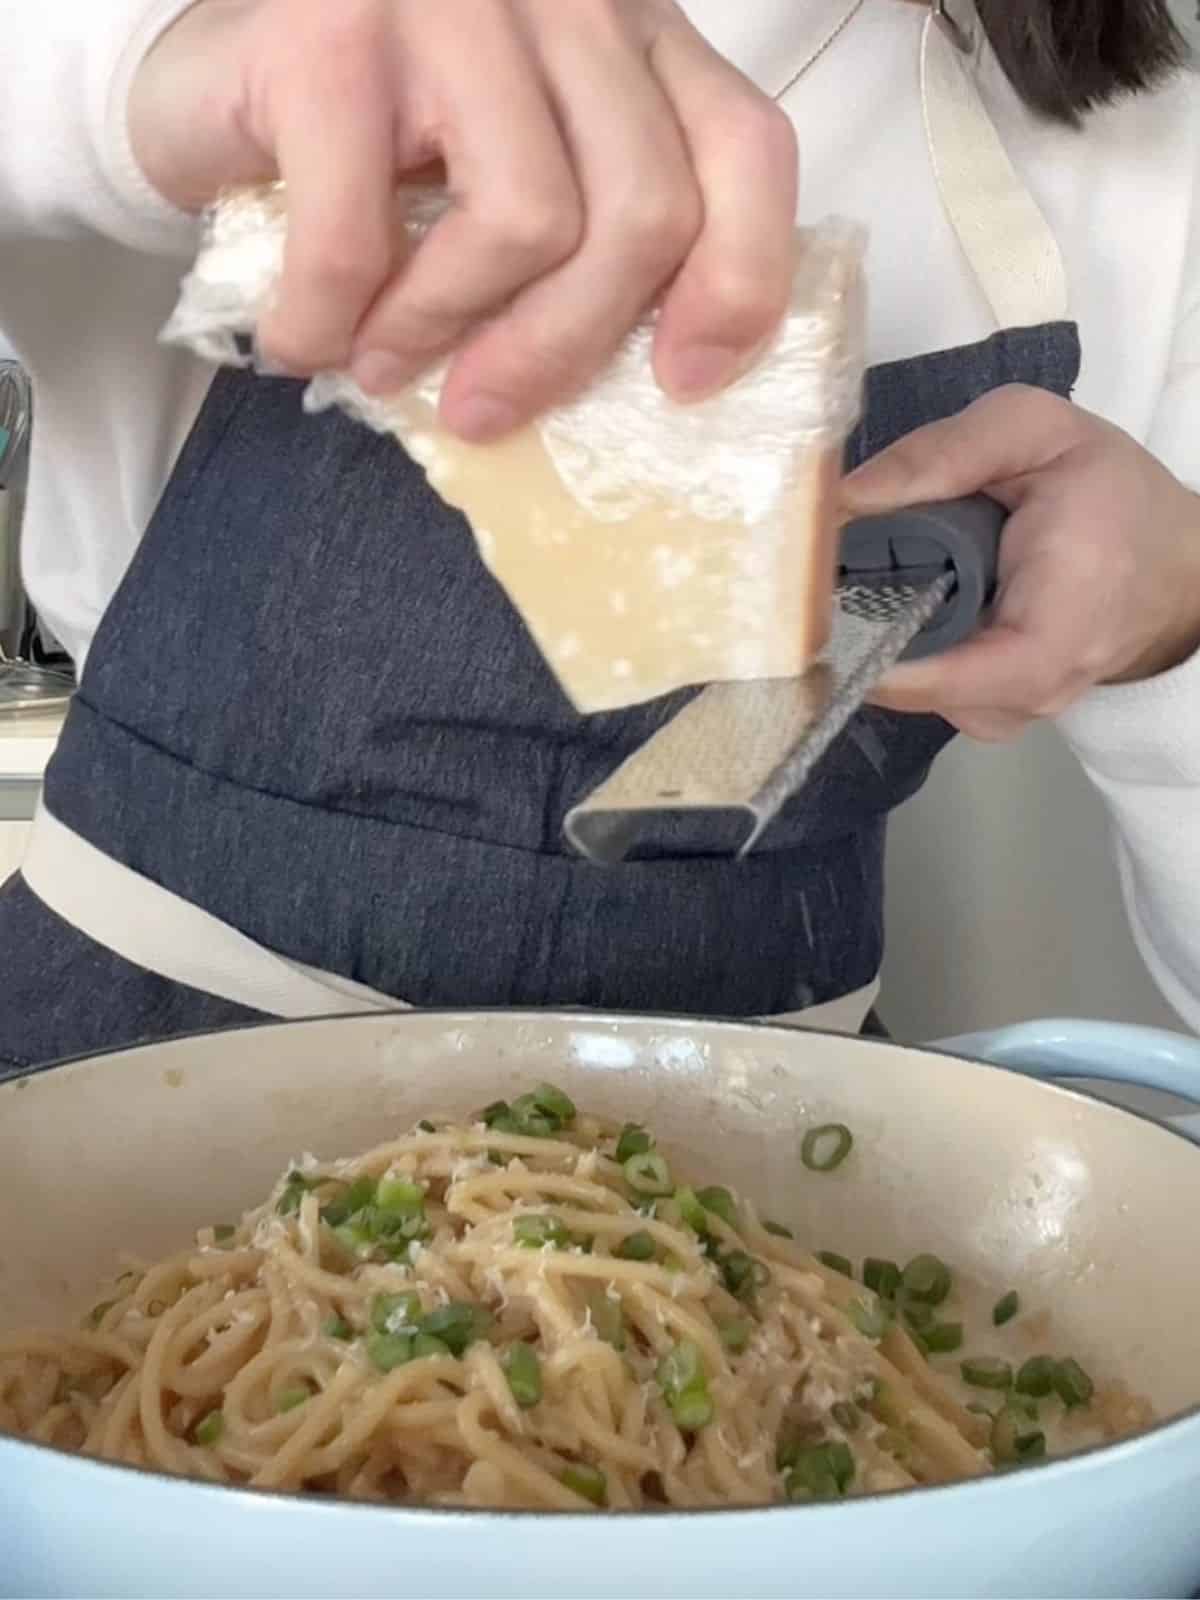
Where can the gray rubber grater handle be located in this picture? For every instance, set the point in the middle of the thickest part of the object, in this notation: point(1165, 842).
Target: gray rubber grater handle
point(916, 545)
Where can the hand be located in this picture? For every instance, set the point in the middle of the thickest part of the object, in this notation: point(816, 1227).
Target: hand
point(599, 153)
point(1099, 564)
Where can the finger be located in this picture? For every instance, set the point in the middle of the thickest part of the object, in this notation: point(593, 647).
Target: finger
point(517, 213)
point(642, 215)
point(991, 727)
point(734, 287)
point(1002, 669)
point(339, 171)
point(994, 444)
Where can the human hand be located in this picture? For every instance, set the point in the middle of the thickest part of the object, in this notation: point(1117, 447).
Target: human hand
point(1099, 574)
point(599, 152)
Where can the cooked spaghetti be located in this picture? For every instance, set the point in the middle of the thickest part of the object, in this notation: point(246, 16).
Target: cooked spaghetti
point(532, 1310)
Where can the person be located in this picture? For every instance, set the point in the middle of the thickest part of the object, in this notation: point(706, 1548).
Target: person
point(315, 763)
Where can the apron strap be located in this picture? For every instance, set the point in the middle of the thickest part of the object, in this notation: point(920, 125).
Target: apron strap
point(1008, 243)
point(161, 932)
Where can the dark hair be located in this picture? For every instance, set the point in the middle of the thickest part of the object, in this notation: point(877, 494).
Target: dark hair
point(1064, 57)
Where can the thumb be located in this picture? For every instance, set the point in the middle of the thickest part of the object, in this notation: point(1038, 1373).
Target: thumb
point(997, 440)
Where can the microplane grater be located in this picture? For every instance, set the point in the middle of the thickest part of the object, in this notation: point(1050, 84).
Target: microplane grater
point(911, 584)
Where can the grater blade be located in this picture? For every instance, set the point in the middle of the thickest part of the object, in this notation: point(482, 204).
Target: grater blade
point(734, 756)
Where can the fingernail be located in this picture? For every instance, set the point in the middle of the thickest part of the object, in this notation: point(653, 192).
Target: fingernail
point(701, 369)
point(481, 416)
point(379, 372)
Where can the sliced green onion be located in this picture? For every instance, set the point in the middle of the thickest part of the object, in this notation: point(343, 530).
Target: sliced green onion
point(400, 1251)
point(551, 1100)
point(390, 1350)
point(395, 1313)
point(872, 1321)
point(636, 1247)
point(648, 1173)
point(427, 1346)
point(882, 1276)
point(824, 1148)
point(607, 1318)
point(1036, 1377)
point(295, 1187)
point(354, 1199)
point(692, 1409)
point(497, 1112)
point(531, 1119)
point(538, 1232)
point(210, 1428)
point(1006, 1308)
point(587, 1482)
point(734, 1334)
point(223, 1232)
point(458, 1324)
point(97, 1314)
point(401, 1197)
point(820, 1472)
point(720, 1202)
point(337, 1328)
point(1010, 1445)
point(681, 1368)
point(943, 1337)
point(836, 1263)
point(1072, 1384)
point(289, 1399)
point(987, 1372)
point(842, 1462)
point(691, 1210)
point(926, 1278)
point(845, 1415)
point(632, 1141)
point(524, 1373)
point(425, 1126)
point(918, 1316)
point(778, 1229)
point(741, 1273)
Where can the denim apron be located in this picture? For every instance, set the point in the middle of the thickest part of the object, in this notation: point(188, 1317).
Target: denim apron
point(312, 712)
point(311, 716)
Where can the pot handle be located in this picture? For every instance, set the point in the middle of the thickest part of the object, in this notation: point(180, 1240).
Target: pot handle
point(1113, 1052)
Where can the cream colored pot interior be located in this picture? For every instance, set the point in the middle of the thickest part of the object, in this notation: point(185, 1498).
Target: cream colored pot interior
point(1084, 1208)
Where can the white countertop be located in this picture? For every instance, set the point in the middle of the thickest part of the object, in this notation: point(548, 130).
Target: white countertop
point(26, 744)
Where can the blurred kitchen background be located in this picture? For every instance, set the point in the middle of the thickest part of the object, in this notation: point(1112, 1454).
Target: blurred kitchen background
point(1003, 897)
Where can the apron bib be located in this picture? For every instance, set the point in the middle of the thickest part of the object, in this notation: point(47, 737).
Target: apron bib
point(312, 724)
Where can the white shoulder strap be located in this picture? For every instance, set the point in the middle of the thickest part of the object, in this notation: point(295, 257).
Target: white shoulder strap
point(1005, 237)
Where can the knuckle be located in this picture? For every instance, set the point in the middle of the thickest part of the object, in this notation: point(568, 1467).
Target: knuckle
point(343, 269)
point(656, 226)
point(536, 230)
point(337, 37)
point(762, 132)
point(743, 303)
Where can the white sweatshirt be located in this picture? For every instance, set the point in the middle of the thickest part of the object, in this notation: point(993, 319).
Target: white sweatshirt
point(90, 260)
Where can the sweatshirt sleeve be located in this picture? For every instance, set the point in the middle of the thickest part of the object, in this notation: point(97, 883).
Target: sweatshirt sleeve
point(66, 166)
point(1140, 743)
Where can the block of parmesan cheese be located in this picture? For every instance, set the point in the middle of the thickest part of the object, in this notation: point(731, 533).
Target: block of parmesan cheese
point(648, 546)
